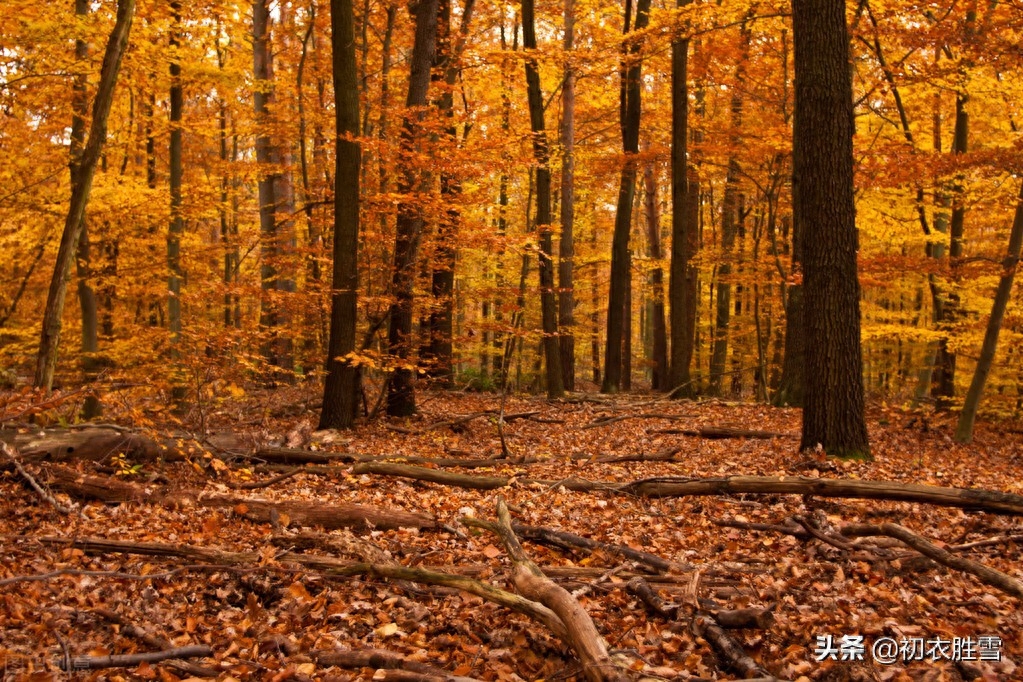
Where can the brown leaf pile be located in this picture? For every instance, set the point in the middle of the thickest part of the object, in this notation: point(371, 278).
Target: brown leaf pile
point(267, 619)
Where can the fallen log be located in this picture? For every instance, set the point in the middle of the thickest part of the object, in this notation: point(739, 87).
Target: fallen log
point(964, 498)
point(331, 516)
point(91, 443)
point(723, 432)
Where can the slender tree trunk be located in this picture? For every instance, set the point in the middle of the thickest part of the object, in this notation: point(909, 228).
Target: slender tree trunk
point(447, 66)
point(566, 249)
point(81, 187)
point(83, 260)
point(833, 414)
point(659, 353)
point(683, 229)
point(945, 362)
point(340, 392)
point(964, 432)
point(729, 222)
point(401, 400)
point(548, 309)
point(791, 384)
point(177, 222)
point(630, 110)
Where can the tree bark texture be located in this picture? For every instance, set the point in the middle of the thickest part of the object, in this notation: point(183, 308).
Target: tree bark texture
point(401, 399)
point(729, 227)
point(682, 279)
point(340, 392)
point(81, 187)
point(566, 248)
point(833, 413)
point(630, 110)
point(659, 330)
point(541, 151)
point(964, 432)
point(83, 260)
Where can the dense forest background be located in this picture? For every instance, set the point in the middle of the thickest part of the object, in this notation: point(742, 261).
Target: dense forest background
point(205, 260)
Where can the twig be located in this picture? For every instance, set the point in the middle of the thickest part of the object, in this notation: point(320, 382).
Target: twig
point(12, 453)
point(132, 660)
point(266, 484)
point(985, 574)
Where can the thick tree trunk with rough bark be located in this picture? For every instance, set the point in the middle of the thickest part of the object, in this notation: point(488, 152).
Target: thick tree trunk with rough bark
point(81, 187)
point(340, 392)
point(833, 412)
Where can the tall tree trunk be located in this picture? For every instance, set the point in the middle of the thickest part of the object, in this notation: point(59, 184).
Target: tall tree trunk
point(548, 310)
point(791, 384)
point(945, 362)
point(273, 190)
point(340, 392)
point(729, 222)
point(83, 260)
point(401, 399)
point(177, 221)
point(566, 248)
point(682, 278)
point(630, 110)
point(81, 187)
point(447, 66)
point(833, 414)
point(659, 352)
point(964, 432)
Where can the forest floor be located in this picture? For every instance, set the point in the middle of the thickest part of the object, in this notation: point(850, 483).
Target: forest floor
point(266, 614)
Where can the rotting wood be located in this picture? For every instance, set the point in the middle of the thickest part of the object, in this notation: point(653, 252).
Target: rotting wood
point(530, 581)
point(724, 432)
point(132, 660)
point(964, 498)
point(330, 516)
point(985, 574)
point(94, 444)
